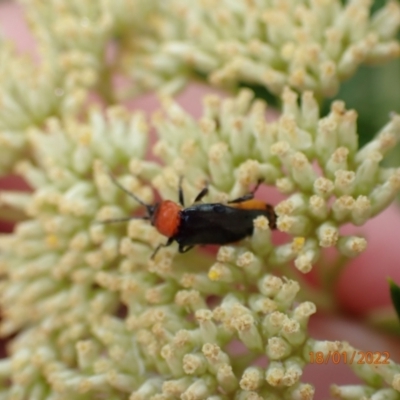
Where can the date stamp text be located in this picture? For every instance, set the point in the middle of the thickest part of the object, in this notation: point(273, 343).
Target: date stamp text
point(355, 357)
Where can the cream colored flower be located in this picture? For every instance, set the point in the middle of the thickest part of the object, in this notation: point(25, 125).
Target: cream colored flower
point(79, 46)
point(95, 317)
point(29, 94)
point(305, 45)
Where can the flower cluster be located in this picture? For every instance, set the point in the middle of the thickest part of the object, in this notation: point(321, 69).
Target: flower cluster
point(308, 45)
point(98, 318)
point(236, 149)
point(83, 47)
point(77, 58)
point(27, 97)
point(90, 313)
point(84, 41)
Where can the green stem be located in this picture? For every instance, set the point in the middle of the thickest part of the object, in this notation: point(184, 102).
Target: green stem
point(330, 275)
point(105, 86)
point(240, 363)
point(12, 215)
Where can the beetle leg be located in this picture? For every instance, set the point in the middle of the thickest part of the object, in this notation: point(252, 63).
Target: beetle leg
point(272, 217)
point(202, 193)
point(169, 242)
point(184, 250)
point(123, 219)
point(247, 196)
point(180, 192)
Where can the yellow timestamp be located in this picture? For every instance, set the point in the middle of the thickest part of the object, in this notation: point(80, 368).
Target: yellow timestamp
point(354, 357)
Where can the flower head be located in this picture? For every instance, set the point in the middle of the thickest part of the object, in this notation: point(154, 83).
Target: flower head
point(97, 317)
point(305, 45)
point(77, 50)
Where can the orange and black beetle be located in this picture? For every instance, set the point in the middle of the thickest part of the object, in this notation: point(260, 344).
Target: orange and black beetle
point(204, 223)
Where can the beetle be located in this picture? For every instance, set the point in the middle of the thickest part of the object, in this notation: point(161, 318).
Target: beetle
point(203, 223)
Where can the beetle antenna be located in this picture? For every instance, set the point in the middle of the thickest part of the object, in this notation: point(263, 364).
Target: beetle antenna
point(149, 207)
point(116, 220)
point(259, 182)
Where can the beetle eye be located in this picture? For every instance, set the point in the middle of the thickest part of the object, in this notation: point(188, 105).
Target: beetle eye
point(151, 209)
